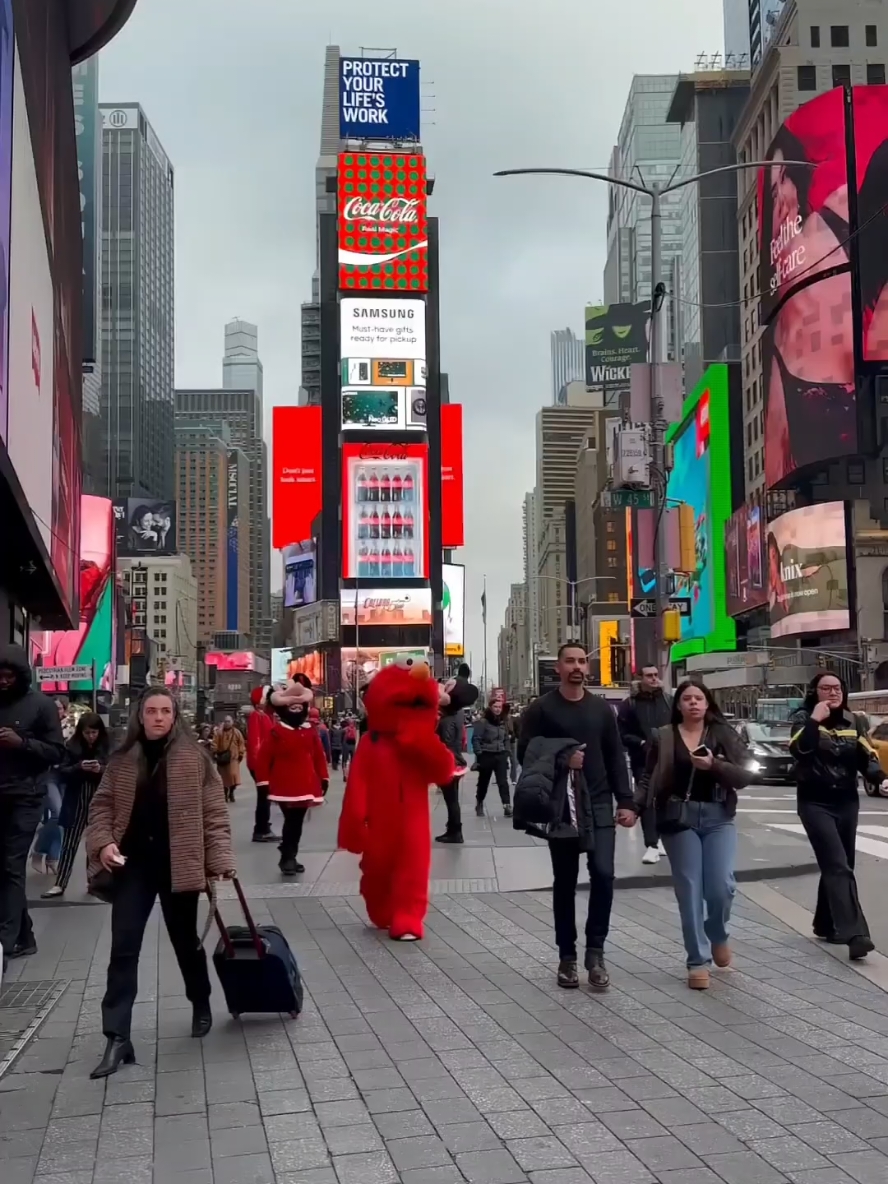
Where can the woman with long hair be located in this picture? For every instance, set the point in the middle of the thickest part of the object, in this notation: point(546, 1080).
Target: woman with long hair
point(158, 827)
point(80, 772)
point(831, 748)
point(695, 766)
point(492, 744)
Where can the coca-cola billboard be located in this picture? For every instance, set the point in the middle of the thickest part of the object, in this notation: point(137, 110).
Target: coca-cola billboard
point(383, 229)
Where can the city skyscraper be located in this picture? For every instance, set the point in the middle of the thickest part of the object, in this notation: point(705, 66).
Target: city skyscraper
point(568, 362)
point(137, 330)
point(650, 146)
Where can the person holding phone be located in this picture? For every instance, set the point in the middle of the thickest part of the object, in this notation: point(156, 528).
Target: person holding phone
point(695, 766)
point(831, 748)
point(80, 773)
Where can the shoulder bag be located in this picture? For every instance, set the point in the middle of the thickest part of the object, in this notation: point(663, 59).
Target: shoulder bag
point(674, 814)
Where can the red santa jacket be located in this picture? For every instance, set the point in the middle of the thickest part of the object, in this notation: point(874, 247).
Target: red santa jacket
point(259, 725)
point(291, 763)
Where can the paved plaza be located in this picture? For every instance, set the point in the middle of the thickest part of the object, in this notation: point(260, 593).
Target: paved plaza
point(457, 1059)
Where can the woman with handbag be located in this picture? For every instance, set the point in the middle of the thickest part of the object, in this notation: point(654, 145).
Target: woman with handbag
point(80, 772)
point(158, 827)
point(695, 766)
point(229, 749)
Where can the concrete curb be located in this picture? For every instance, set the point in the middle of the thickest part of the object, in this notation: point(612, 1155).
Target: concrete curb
point(748, 875)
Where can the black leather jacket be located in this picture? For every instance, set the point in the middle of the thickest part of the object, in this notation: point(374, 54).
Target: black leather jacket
point(830, 755)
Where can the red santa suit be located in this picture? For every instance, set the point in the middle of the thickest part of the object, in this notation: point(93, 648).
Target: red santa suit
point(385, 812)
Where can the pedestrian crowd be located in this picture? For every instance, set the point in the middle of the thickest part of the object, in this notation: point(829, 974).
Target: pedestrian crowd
point(156, 827)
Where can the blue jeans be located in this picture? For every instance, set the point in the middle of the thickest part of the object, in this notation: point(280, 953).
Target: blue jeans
point(49, 836)
point(702, 861)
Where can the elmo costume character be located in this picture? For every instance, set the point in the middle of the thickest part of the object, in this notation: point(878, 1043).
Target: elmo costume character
point(385, 812)
point(291, 765)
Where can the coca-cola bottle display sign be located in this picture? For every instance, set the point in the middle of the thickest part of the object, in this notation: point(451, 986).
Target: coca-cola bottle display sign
point(382, 222)
point(385, 524)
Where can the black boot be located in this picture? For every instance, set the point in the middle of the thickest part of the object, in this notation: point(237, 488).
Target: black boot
point(451, 836)
point(201, 1020)
point(290, 865)
point(117, 1052)
point(599, 979)
point(567, 974)
point(24, 949)
point(479, 809)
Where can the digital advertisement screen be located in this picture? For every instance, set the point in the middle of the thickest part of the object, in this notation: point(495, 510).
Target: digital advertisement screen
point(232, 558)
point(285, 666)
point(453, 527)
point(870, 111)
point(808, 349)
point(807, 555)
point(382, 222)
point(745, 560)
point(701, 478)
point(379, 99)
point(145, 527)
point(454, 575)
point(386, 606)
point(93, 639)
point(384, 511)
point(7, 60)
point(382, 351)
point(296, 454)
point(239, 660)
point(300, 574)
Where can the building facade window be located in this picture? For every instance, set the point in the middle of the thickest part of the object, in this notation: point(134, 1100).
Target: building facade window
point(807, 78)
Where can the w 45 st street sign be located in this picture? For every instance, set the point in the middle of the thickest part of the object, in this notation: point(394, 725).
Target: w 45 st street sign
point(627, 499)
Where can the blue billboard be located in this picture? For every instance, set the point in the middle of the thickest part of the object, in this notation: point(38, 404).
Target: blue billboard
point(379, 99)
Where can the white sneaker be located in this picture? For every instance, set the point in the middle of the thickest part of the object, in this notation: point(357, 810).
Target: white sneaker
point(661, 848)
point(651, 855)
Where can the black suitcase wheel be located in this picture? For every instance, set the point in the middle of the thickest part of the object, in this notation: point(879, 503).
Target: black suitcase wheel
point(294, 1015)
point(235, 1015)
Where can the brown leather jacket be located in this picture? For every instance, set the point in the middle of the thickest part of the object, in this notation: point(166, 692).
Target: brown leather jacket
point(200, 828)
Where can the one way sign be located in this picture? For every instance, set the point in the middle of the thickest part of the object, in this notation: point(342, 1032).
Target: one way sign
point(645, 606)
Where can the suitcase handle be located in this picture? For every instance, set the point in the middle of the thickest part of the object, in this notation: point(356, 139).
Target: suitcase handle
point(258, 943)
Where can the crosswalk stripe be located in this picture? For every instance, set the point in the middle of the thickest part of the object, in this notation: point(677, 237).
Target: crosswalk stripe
point(865, 845)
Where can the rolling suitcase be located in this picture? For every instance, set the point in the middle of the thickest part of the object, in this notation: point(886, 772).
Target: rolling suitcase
point(255, 965)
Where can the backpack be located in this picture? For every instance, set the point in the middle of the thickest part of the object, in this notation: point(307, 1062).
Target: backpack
point(351, 735)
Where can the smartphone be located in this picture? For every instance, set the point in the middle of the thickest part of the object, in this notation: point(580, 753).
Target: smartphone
point(701, 750)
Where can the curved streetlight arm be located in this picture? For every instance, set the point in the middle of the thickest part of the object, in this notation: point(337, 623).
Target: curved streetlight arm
point(728, 168)
point(576, 173)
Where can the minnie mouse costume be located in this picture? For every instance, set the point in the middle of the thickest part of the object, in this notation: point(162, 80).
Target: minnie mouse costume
point(291, 765)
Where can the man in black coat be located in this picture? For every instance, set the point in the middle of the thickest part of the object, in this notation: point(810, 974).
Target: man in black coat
point(647, 709)
point(30, 743)
point(571, 712)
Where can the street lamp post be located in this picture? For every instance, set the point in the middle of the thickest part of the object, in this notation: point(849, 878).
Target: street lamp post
point(656, 192)
point(572, 593)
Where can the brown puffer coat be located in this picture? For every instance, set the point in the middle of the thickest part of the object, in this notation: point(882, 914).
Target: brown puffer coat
point(200, 828)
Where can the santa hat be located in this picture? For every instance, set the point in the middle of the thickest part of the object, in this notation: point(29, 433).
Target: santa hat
point(258, 696)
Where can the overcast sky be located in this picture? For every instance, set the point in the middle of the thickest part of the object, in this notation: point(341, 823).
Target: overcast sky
point(233, 90)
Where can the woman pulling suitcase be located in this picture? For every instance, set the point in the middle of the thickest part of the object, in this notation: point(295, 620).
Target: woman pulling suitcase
point(158, 827)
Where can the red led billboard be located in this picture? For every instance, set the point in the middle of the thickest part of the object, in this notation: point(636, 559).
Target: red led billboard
point(452, 516)
point(382, 222)
point(385, 511)
point(296, 468)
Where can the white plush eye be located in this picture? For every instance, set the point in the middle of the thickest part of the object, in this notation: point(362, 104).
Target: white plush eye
point(404, 661)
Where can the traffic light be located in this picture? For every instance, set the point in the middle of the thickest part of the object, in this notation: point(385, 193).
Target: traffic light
point(671, 625)
point(687, 538)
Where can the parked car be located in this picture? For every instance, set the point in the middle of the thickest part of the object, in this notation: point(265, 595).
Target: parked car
point(768, 746)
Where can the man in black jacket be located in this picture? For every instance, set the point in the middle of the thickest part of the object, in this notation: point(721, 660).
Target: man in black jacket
point(451, 728)
point(30, 743)
point(647, 709)
point(570, 712)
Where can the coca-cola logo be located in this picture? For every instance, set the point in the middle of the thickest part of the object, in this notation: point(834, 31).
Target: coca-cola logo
point(383, 452)
point(395, 210)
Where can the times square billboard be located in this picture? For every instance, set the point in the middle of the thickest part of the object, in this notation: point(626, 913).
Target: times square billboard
point(382, 222)
point(823, 267)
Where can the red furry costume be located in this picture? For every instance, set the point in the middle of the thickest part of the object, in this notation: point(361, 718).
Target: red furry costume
point(385, 813)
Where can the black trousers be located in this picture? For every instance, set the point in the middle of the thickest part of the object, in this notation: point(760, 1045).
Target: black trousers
point(450, 793)
point(20, 815)
point(71, 838)
point(335, 757)
point(565, 855)
point(262, 816)
point(493, 764)
point(291, 836)
point(137, 887)
point(832, 831)
point(649, 830)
